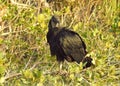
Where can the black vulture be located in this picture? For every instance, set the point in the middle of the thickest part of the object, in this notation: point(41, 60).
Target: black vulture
point(66, 44)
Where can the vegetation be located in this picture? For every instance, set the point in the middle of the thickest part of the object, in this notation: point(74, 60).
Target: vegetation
point(24, 53)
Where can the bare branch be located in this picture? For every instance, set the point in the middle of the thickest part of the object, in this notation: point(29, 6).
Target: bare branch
point(12, 75)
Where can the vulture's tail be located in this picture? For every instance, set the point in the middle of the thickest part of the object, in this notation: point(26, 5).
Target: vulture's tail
point(87, 61)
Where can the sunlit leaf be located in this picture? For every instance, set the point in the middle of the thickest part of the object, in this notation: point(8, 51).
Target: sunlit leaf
point(2, 80)
point(28, 74)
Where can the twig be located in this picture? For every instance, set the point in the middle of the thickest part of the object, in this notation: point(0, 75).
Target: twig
point(7, 33)
point(12, 75)
point(86, 80)
point(52, 66)
point(72, 22)
point(18, 4)
point(28, 63)
point(35, 65)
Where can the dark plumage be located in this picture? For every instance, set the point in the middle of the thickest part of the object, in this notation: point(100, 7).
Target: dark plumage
point(66, 44)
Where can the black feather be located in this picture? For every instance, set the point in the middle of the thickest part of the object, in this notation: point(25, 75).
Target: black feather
point(66, 44)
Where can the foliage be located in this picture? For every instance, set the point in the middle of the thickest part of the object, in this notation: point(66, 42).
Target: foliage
point(24, 53)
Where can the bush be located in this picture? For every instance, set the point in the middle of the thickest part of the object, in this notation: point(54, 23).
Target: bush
point(24, 53)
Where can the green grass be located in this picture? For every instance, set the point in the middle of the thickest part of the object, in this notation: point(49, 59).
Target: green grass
point(24, 53)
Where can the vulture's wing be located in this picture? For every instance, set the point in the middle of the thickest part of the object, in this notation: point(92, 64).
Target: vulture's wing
point(72, 45)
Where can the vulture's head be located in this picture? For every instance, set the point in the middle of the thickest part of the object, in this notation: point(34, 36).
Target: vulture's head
point(53, 22)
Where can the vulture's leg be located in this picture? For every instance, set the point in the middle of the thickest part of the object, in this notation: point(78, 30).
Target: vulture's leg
point(61, 66)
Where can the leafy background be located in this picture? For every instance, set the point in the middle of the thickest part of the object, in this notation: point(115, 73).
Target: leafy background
point(24, 53)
